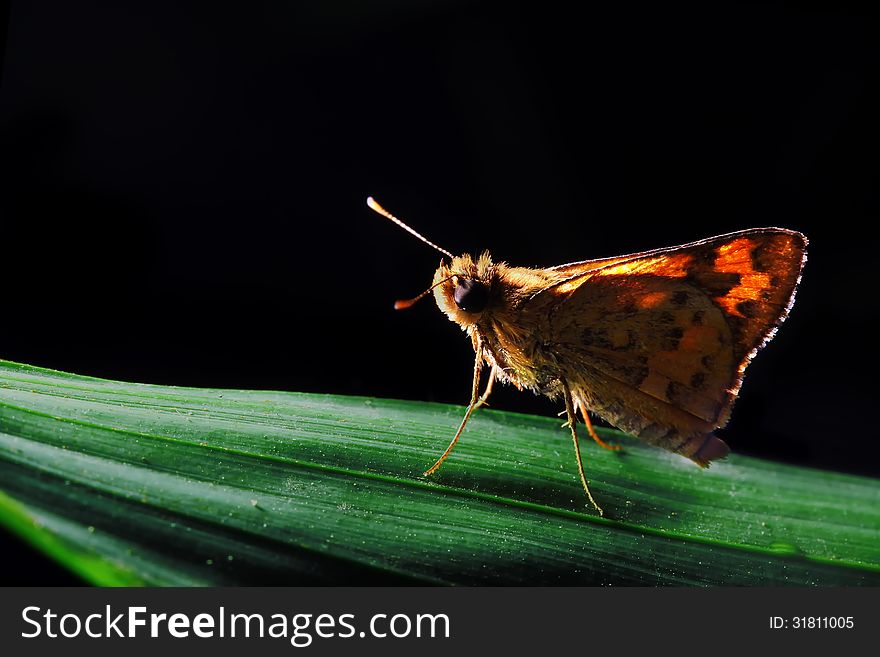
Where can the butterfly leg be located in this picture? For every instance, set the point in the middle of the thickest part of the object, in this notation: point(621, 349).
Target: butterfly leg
point(488, 389)
point(593, 434)
point(476, 400)
point(572, 424)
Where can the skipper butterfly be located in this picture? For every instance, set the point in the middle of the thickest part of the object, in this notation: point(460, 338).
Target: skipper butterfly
point(656, 343)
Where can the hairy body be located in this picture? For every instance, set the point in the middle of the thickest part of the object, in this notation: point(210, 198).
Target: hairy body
point(655, 343)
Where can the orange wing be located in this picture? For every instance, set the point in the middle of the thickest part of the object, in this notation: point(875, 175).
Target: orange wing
point(660, 340)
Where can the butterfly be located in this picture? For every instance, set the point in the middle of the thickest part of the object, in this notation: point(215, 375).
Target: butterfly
point(655, 343)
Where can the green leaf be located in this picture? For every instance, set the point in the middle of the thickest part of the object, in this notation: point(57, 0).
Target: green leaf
point(140, 484)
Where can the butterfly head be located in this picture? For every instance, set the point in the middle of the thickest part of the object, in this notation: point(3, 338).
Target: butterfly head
point(463, 287)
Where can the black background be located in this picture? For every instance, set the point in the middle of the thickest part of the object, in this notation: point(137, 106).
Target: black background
point(183, 185)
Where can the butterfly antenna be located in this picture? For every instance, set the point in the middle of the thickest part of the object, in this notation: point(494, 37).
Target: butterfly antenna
point(403, 304)
point(378, 208)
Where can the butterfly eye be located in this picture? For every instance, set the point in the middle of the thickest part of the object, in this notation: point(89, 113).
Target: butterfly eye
point(470, 295)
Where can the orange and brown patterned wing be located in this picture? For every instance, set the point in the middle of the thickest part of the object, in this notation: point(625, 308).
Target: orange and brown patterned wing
point(660, 340)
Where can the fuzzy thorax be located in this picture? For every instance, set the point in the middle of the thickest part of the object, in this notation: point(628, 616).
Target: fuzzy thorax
point(508, 287)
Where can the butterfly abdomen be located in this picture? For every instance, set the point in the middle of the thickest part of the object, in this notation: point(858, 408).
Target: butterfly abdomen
point(650, 420)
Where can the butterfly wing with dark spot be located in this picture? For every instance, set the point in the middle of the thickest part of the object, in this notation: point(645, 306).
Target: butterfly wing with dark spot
point(677, 327)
